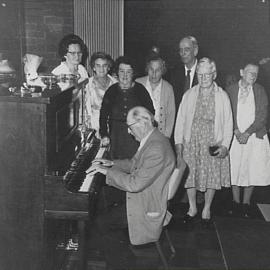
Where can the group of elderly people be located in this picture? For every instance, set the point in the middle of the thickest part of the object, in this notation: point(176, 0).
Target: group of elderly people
point(220, 135)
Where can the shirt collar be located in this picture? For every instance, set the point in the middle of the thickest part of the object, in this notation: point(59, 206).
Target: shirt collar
point(193, 69)
point(241, 87)
point(143, 141)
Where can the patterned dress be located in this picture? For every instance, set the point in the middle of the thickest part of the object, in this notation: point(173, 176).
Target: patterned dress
point(93, 99)
point(205, 171)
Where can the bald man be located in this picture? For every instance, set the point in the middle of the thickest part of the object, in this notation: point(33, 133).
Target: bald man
point(145, 180)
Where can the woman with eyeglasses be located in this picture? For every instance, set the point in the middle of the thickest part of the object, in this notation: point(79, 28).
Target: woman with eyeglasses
point(203, 133)
point(71, 50)
point(101, 63)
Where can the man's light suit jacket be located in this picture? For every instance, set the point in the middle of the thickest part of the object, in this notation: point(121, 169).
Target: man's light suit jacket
point(145, 180)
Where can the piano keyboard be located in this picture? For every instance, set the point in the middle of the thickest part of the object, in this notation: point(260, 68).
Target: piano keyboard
point(76, 175)
point(89, 177)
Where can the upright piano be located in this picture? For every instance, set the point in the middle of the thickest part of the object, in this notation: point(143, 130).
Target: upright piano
point(39, 143)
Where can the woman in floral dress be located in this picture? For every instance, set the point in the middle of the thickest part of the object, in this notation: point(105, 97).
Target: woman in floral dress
point(204, 120)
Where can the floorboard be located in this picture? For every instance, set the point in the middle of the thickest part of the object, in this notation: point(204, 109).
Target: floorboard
point(229, 244)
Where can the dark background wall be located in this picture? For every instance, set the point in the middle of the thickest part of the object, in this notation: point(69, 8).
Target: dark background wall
point(11, 32)
point(46, 22)
point(229, 31)
point(34, 26)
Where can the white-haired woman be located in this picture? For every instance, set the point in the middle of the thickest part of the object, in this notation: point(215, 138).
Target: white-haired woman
point(204, 120)
point(161, 93)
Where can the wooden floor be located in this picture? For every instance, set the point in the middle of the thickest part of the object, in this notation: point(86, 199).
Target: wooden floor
point(230, 243)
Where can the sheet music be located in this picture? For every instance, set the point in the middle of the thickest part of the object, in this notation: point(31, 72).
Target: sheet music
point(89, 177)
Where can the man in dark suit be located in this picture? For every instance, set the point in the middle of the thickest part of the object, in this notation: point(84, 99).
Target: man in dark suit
point(182, 76)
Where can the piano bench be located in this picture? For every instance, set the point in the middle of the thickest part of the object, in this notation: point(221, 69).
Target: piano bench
point(82, 217)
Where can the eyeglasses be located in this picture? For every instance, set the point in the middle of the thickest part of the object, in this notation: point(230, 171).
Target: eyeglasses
point(74, 53)
point(204, 75)
point(184, 50)
point(129, 125)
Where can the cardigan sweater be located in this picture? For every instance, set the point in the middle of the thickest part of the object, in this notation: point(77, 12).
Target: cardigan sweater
point(261, 109)
point(167, 106)
point(223, 117)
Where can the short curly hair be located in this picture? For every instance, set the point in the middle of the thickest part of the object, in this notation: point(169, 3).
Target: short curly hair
point(66, 41)
point(127, 61)
point(101, 55)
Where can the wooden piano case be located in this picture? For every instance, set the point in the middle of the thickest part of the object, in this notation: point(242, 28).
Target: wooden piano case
point(37, 137)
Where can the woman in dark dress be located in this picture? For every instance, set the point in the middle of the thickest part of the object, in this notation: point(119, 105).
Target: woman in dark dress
point(117, 101)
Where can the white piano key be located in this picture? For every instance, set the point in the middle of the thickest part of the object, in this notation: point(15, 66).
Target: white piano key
point(90, 175)
point(87, 182)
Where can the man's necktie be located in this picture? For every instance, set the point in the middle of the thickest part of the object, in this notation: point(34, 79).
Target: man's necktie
point(187, 81)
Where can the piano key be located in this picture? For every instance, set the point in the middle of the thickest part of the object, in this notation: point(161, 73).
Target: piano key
point(100, 152)
point(87, 182)
point(90, 174)
point(75, 178)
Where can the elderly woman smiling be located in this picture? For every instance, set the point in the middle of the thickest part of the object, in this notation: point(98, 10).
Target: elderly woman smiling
point(101, 63)
point(117, 101)
point(204, 120)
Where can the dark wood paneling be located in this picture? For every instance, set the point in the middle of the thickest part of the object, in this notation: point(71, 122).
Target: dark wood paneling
point(26, 144)
point(22, 160)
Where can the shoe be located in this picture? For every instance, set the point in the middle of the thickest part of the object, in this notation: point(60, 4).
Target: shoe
point(246, 208)
point(72, 245)
point(187, 219)
point(206, 223)
point(236, 210)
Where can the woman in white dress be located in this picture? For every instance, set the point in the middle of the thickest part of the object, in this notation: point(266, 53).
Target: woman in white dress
point(250, 150)
point(101, 63)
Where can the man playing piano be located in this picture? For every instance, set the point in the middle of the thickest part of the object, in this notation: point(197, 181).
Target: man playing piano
point(145, 180)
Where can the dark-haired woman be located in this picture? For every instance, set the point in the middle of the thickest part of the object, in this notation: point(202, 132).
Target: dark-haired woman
point(71, 50)
point(101, 64)
point(117, 101)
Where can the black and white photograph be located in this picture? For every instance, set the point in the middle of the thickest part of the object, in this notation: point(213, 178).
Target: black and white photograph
point(134, 134)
